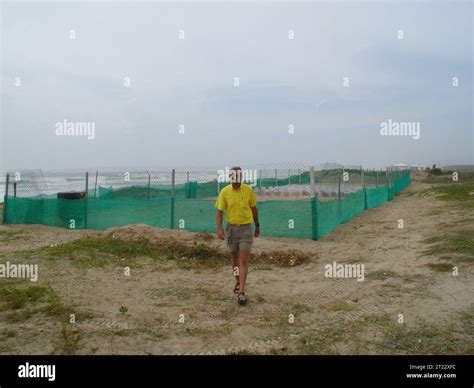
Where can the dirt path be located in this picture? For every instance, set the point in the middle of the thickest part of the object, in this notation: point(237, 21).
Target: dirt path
point(166, 309)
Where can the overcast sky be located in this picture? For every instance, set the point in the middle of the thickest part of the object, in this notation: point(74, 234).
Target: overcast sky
point(190, 81)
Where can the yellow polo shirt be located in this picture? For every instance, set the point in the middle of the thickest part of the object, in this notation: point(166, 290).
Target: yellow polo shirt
point(237, 203)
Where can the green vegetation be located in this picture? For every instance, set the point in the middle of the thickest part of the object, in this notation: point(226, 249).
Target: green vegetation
point(123, 310)
point(19, 303)
point(341, 306)
point(5, 334)
point(446, 189)
point(68, 341)
point(460, 246)
point(13, 298)
point(90, 252)
point(382, 334)
point(425, 338)
point(441, 267)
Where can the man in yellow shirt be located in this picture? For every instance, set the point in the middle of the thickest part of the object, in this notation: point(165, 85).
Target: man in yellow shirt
point(239, 202)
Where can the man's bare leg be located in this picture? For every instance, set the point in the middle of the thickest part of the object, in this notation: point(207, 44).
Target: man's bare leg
point(244, 268)
point(235, 266)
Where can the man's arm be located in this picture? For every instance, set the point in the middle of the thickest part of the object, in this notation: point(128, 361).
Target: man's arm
point(220, 231)
point(255, 219)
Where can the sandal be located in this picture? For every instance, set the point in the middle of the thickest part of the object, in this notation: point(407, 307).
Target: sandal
point(236, 288)
point(242, 299)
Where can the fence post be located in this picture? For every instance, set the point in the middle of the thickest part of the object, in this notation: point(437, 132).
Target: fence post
point(363, 186)
point(314, 206)
point(5, 199)
point(260, 179)
point(289, 177)
point(86, 197)
point(95, 186)
point(387, 182)
point(299, 176)
point(173, 173)
point(14, 189)
point(149, 185)
point(276, 179)
point(339, 187)
point(377, 179)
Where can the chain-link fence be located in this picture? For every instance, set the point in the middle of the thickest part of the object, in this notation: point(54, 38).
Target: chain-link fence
point(293, 201)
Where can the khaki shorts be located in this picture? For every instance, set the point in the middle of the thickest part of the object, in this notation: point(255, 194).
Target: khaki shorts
point(239, 238)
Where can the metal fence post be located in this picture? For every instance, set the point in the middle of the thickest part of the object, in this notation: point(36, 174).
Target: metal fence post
point(363, 187)
point(95, 186)
point(5, 199)
point(86, 197)
point(339, 187)
point(314, 206)
point(149, 184)
point(173, 174)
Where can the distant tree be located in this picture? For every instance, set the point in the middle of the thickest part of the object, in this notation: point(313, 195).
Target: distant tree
point(435, 170)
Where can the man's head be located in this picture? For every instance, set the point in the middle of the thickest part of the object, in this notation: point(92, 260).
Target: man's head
point(235, 176)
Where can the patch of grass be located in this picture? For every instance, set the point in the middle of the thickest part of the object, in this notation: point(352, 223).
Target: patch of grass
point(180, 293)
point(446, 189)
point(290, 258)
point(341, 306)
point(448, 337)
point(464, 177)
point(90, 252)
point(207, 332)
point(320, 341)
point(424, 338)
point(20, 303)
point(441, 267)
point(6, 333)
point(123, 310)
point(461, 245)
point(382, 320)
point(14, 298)
point(68, 340)
point(407, 193)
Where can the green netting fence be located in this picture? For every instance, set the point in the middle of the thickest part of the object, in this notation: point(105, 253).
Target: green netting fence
point(190, 205)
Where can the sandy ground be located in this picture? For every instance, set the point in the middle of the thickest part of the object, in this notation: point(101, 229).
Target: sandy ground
point(173, 310)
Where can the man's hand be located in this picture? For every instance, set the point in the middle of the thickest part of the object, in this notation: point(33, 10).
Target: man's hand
point(221, 234)
point(257, 231)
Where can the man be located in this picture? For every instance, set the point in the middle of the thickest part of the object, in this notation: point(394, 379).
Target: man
point(239, 202)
